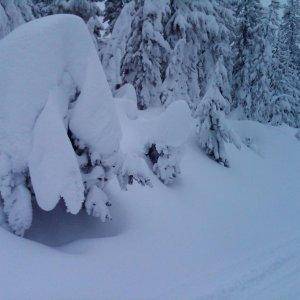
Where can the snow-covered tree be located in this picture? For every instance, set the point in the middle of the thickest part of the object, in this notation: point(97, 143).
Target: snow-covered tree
point(251, 85)
point(164, 140)
point(112, 11)
point(212, 128)
point(285, 80)
point(198, 36)
point(165, 161)
point(88, 10)
point(72, 160)
point(273, 22)
point(112, 49)
point(14, 13)
point(146, 52)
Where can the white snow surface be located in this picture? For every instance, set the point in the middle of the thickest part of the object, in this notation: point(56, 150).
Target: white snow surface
point(53, 165)
point(218, 233)
point(43, 64)
point(32, 66)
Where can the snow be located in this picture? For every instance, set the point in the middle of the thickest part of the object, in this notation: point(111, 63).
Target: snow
point(53, 165)
point(218, 233)
point(165, 129)
point(39, 79)
point(38, 65)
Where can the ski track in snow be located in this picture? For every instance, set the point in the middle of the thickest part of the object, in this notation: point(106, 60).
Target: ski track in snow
point(260, 273)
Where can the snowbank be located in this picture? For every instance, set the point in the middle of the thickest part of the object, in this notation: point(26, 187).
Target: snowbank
point(221, 233)
point(54, 95)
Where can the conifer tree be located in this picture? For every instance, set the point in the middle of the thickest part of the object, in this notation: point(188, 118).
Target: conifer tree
point(112, 11)
point(285, 81)
point(198, 36)
point(146, 52)
point(212, 128)
point(88, 10)
point(251, 86)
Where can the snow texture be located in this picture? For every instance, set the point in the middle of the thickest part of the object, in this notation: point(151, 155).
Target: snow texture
point(216, 234)
point(51, 88)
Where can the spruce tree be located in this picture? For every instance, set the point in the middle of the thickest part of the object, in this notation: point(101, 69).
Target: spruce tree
point(285, 81)
point(198, 34)
point(251, 86)
point(146, 52)
point(213, 130)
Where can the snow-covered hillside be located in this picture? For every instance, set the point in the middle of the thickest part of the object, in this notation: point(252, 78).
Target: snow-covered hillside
point(216, 233)
point(211, 233)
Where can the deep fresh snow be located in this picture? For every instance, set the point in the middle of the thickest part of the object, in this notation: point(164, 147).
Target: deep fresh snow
point(39, 79)
point(216, 233)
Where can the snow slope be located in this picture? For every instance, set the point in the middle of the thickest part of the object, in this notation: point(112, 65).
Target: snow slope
point(217, 233)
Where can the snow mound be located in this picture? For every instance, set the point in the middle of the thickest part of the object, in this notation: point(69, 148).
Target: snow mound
point(126, 91)
point(171, 127)
point(55, 106)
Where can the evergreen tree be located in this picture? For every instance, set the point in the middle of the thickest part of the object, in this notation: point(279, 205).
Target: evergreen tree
point(273, 22)
point(212, 128)
point(251, 86)
point(88, 10)
point(13, 13)
point(113, 48)
point(112, 11)
point(146, 52)
point(286, 79)
point(198, 36)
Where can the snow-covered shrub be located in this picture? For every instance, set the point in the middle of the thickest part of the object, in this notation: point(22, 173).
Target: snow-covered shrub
point(133, 168)
point(297, 135)
point(212, 128)
point(166, 136)
point(59, 132)
point(165, 161)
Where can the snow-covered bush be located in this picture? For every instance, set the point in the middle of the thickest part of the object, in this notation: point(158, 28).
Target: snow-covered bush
point(59, 133)
point(297, 135)
point(166, 137)
point(165, 161)
point(133, 168)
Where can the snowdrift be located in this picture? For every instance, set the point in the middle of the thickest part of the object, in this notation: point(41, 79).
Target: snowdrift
point(58, 126)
